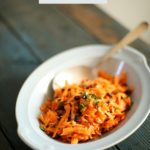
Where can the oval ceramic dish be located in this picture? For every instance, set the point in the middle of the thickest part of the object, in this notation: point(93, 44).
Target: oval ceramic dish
point(36, 87)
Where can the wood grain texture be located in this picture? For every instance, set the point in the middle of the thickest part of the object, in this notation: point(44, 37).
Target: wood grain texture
point(16, 63)
point(31, 33)
point(11, 49)
point(101, 26)
point(93, 21)
point(140, 140)
point(44, 27)
point(4, 144)
point(13, 77)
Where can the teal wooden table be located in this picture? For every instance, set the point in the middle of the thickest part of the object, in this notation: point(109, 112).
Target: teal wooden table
point(30, 34)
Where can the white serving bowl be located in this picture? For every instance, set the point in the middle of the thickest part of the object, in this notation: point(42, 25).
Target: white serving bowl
point(35, 88)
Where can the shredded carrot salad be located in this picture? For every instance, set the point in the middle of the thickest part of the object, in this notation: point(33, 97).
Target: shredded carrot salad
point(85, 111)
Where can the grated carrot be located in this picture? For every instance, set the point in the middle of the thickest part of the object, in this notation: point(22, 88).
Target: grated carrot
point(85, 111)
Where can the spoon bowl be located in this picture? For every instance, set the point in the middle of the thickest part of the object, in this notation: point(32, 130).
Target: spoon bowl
point(78, 73)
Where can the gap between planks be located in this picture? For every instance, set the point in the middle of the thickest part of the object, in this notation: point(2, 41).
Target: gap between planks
point(10, 146)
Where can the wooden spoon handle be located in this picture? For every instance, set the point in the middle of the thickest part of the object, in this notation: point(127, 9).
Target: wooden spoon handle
point(130, 37)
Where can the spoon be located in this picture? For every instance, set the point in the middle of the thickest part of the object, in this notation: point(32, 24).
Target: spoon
point(77, 73)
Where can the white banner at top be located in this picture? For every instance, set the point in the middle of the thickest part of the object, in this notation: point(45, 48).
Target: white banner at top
point(72, 1)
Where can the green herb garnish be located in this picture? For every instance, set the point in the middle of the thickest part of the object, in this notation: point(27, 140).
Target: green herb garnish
point(85, 95)
point(81, 106)
point(42, 127)
point(99, 97)
point(96, 103)
point(93, 96)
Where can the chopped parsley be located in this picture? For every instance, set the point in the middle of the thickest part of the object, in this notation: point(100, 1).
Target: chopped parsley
point(81, 106)
point(42, 127)
point(96, 103)
point(93, 96)
point(85, 95)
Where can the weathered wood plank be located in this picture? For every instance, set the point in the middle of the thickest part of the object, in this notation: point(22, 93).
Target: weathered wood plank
point(16, 62)
point(13, 77)
point(93, 21)
point(112, 148)
point(43, 27)
point(4, 144)
point(140, 140)
point(11, 50)
point(100, 25)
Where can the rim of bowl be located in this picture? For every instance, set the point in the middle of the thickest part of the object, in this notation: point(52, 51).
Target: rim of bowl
point(23, 133)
